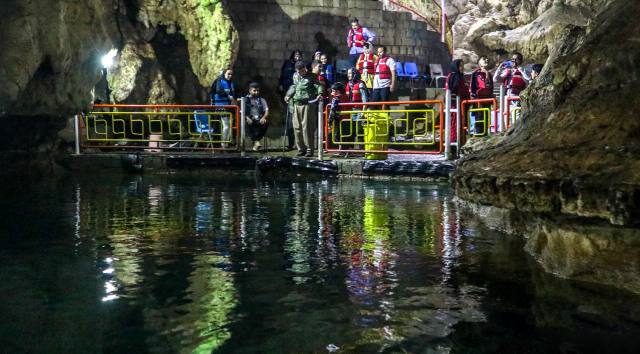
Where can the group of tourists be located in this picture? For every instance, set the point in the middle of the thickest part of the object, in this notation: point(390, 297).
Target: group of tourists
point(302, 85)
point(371, 78)
point(511, 74)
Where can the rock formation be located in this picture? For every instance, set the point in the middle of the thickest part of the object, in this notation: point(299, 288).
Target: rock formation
point(574, 150)
point(496, 27)
point(573, 155)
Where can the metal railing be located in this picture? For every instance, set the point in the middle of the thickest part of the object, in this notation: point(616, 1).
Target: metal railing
point(406, 127)
point(513, 110)
point(375, 127)
point(487, 108)
point(155, 127)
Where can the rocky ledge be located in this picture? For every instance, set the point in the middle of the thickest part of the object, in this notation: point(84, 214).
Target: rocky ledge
point(591, 251)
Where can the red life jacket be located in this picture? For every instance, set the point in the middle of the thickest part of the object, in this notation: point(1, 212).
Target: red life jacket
point(517, 82)
point(356, 37)
point(354, 91)
point(382, 69)
point(367, 63)
point(484, 84)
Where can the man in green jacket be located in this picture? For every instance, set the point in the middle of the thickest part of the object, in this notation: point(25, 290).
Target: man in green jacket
point(305, 89)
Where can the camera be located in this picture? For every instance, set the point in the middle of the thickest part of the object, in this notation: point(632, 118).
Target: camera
point(507, 64)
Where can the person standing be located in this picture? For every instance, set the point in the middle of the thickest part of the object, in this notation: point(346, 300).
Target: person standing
point(515, 79)
point(512, 75)
point(366, 65)
point(316, 69)
point(286, 80)
point(304, 93)
point(340, 125)
point(481, 88)
point(536, 69)
point(223, 93)
point(458, 87)
point(384, 80)
point(327, 69)
point(256, 119)
point(356, 38)
point(356, 91)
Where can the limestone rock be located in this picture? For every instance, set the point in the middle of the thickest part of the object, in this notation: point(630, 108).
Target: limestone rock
point(578, 132)
point(533, 27)
point(51, 54)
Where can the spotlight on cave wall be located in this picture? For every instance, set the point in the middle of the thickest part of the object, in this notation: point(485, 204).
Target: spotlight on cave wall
point(107, 59)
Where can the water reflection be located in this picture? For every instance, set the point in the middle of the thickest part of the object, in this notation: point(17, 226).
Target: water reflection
point(184, 264)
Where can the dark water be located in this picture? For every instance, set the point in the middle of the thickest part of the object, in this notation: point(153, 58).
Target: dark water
point(175, 264)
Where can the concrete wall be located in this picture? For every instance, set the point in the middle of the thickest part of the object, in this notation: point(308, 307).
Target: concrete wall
point(271, 29)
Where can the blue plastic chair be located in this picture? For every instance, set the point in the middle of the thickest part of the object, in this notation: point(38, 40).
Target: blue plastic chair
point(400, 70)
point(411, 70)
point(202, 125)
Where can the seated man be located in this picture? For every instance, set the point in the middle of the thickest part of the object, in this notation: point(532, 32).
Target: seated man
point(256, 117)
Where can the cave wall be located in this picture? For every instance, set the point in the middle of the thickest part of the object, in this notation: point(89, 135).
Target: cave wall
point(497, 27)
point(50, 57)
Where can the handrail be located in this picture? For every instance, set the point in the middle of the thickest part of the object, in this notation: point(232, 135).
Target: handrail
point(437, 114)
point(434, 22)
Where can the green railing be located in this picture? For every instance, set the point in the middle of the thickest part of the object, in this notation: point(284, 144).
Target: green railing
point(429, 11)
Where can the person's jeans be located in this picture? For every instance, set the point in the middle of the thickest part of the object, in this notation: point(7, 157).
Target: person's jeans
point(380, 94)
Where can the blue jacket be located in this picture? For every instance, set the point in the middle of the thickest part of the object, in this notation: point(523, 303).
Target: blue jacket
point(222, 91)
point(327, 72)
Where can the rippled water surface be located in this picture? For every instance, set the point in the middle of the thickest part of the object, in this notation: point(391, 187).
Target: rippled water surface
point(170, 264)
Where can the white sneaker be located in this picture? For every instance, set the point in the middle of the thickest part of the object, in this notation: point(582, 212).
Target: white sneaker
point(256, 145)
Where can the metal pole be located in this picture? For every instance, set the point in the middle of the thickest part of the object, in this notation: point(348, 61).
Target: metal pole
point(443, 12)
point(501, 110)
point(320, 128)
point(76, 127)
point(243, 106)
point(458, 127)
point(447, 124)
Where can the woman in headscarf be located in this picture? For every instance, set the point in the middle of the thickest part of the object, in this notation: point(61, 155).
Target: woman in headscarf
point(457, 85)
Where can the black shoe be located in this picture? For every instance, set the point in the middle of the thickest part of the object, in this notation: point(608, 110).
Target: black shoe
point(301, 153)
point(308, 154)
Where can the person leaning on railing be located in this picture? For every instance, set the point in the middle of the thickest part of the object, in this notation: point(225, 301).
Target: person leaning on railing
point(458, 87)
point(305, 92)
point(481, 88)
point(223, 93)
